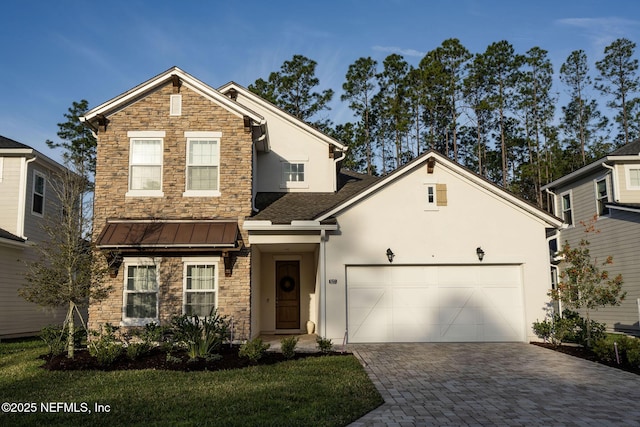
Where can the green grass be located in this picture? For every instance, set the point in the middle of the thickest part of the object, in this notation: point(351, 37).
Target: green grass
point(318, 391)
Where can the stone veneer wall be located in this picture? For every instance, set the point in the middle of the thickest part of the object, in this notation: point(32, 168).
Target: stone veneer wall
point(151, 113)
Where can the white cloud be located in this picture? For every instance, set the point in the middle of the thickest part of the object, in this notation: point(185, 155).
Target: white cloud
point(601, 31)
point(399, 50)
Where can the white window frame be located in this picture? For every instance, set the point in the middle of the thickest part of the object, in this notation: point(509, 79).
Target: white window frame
point(605, 199)
point(284, 183)
point(1, 168)
point(199, 261)
point(37, 175)
point(139, 262)
point(149, 136)
point(430, 195)
point(200, 136)
point(561, 207)
point(627, 173)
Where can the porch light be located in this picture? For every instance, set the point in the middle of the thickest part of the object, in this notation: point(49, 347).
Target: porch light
point(390, 255)
point(480, 253)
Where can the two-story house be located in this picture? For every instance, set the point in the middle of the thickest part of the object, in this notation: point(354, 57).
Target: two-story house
point(608, 190)
point(214, 198)
point(27, 201)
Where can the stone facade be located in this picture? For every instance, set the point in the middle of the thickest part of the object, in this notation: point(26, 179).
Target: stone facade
point(151, 113)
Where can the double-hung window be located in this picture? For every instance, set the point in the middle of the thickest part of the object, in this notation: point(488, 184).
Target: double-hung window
point(37, 201)
point(567, 212)
point(200, 286)
point(633, 177)
point(145, 163)
point(203, 164)
point(140, 292)
point(602, 196)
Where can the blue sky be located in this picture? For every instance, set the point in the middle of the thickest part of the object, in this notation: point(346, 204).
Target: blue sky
point(57, 52)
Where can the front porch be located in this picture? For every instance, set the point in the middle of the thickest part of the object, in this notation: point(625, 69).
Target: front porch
point(306, 342)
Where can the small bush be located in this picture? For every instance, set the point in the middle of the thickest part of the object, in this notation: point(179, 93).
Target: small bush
point(136, 350)
point(105, 348)
point(56, 338)
point(628, 349)
point(288, 346)
point(201, 336)
point(324, 345)
point(253, 349)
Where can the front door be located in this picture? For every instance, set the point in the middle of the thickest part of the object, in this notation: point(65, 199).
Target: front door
point(287, 294)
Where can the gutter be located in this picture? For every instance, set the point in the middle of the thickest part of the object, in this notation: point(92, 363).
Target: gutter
point(294, 226)
point(335, 169)
point(22, 196)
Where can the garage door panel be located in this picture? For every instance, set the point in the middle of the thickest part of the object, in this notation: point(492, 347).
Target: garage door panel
point(434, 303)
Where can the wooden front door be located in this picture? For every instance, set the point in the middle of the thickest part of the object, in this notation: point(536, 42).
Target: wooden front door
point(287, 294)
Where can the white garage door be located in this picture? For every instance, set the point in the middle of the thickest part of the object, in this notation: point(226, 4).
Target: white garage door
point(434, 303)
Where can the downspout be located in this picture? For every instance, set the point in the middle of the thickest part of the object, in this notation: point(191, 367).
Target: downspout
point(22, 196)
point(616, 198)
point(335, 164)
point(323, 285)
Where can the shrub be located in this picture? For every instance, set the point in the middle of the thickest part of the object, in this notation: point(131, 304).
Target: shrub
point(201, 336)
point(105, 348)
point(324, 344)
point(137, 349)
point(555, 330)
point(578, 333)
point(628, 349)
point(253, 349)
point(56, 338)
point(288, 346)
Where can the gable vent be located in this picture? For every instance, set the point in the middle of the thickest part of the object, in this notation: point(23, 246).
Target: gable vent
point(175, 108)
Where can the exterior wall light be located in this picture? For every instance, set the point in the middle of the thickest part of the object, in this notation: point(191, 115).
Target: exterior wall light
point(390, 255)
point(480, 253)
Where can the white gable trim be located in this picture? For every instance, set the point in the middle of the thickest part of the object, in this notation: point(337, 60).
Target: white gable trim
point(282, 114)
point(189, 81)
point(474, 179)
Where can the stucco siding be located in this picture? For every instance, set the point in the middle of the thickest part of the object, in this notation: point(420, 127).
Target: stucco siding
point(290, 143)
point(473, 217)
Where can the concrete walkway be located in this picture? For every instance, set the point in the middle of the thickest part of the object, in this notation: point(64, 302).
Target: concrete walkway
point(512, 384)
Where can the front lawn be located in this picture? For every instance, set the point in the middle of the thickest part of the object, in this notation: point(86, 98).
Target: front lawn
point(318, 391)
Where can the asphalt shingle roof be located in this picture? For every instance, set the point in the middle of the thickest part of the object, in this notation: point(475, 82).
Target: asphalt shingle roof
point(10, 143)
point(630, 149)
point(282, 208)
point(4, 234)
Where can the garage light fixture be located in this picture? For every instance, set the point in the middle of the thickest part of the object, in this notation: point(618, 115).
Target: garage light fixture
point(390, 255)
point(480, 253)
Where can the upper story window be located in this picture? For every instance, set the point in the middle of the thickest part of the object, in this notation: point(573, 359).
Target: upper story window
point(145, 163)
point(567, 211)
point(602, 196)
point(435, 195)
point(203, 164)
point(37, 201)
point(293, 175)
point(200, 286)
point(140, 292)
point(633, 177)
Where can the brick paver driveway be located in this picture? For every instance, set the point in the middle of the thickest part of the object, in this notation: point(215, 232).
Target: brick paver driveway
point(512, 384)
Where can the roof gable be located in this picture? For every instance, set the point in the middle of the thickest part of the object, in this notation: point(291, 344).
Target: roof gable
point(115, 104)
point(232, 86)
point(472, 178)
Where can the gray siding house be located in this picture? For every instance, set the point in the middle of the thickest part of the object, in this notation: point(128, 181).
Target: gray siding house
point(27, 201)
point(609, 190)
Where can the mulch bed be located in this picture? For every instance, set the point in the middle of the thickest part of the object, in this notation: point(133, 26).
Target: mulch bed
point(157, 359)
point(584, 353)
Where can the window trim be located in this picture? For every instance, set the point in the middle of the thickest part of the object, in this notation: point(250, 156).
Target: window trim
point(191, 261)
point(175, 105)
point(149, 136)
point(1, 168)
point(561, 207)
point(201, 135)
point(139, 261)
point(430, 205)
point(294, 184)
point(36, 175)
point(605, 210)
point(627, 175)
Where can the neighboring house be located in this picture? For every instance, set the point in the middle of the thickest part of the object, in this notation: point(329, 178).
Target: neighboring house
point(216, 198)
point(609, 190)
point(26, 202)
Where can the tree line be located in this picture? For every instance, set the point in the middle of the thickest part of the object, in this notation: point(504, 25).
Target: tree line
point(493, 112)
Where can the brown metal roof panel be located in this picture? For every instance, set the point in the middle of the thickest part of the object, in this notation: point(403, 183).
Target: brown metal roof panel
point(168, 232)
point(184, 233)
point(230, 233)
point(200, 231)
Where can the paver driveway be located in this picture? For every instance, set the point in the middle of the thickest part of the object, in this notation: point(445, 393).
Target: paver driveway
point(512, 384)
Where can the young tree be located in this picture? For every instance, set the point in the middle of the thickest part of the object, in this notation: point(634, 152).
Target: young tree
point(292, 88)
point(65, 273)
point(618, 78)
point(358, 90)
point(584, 284)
